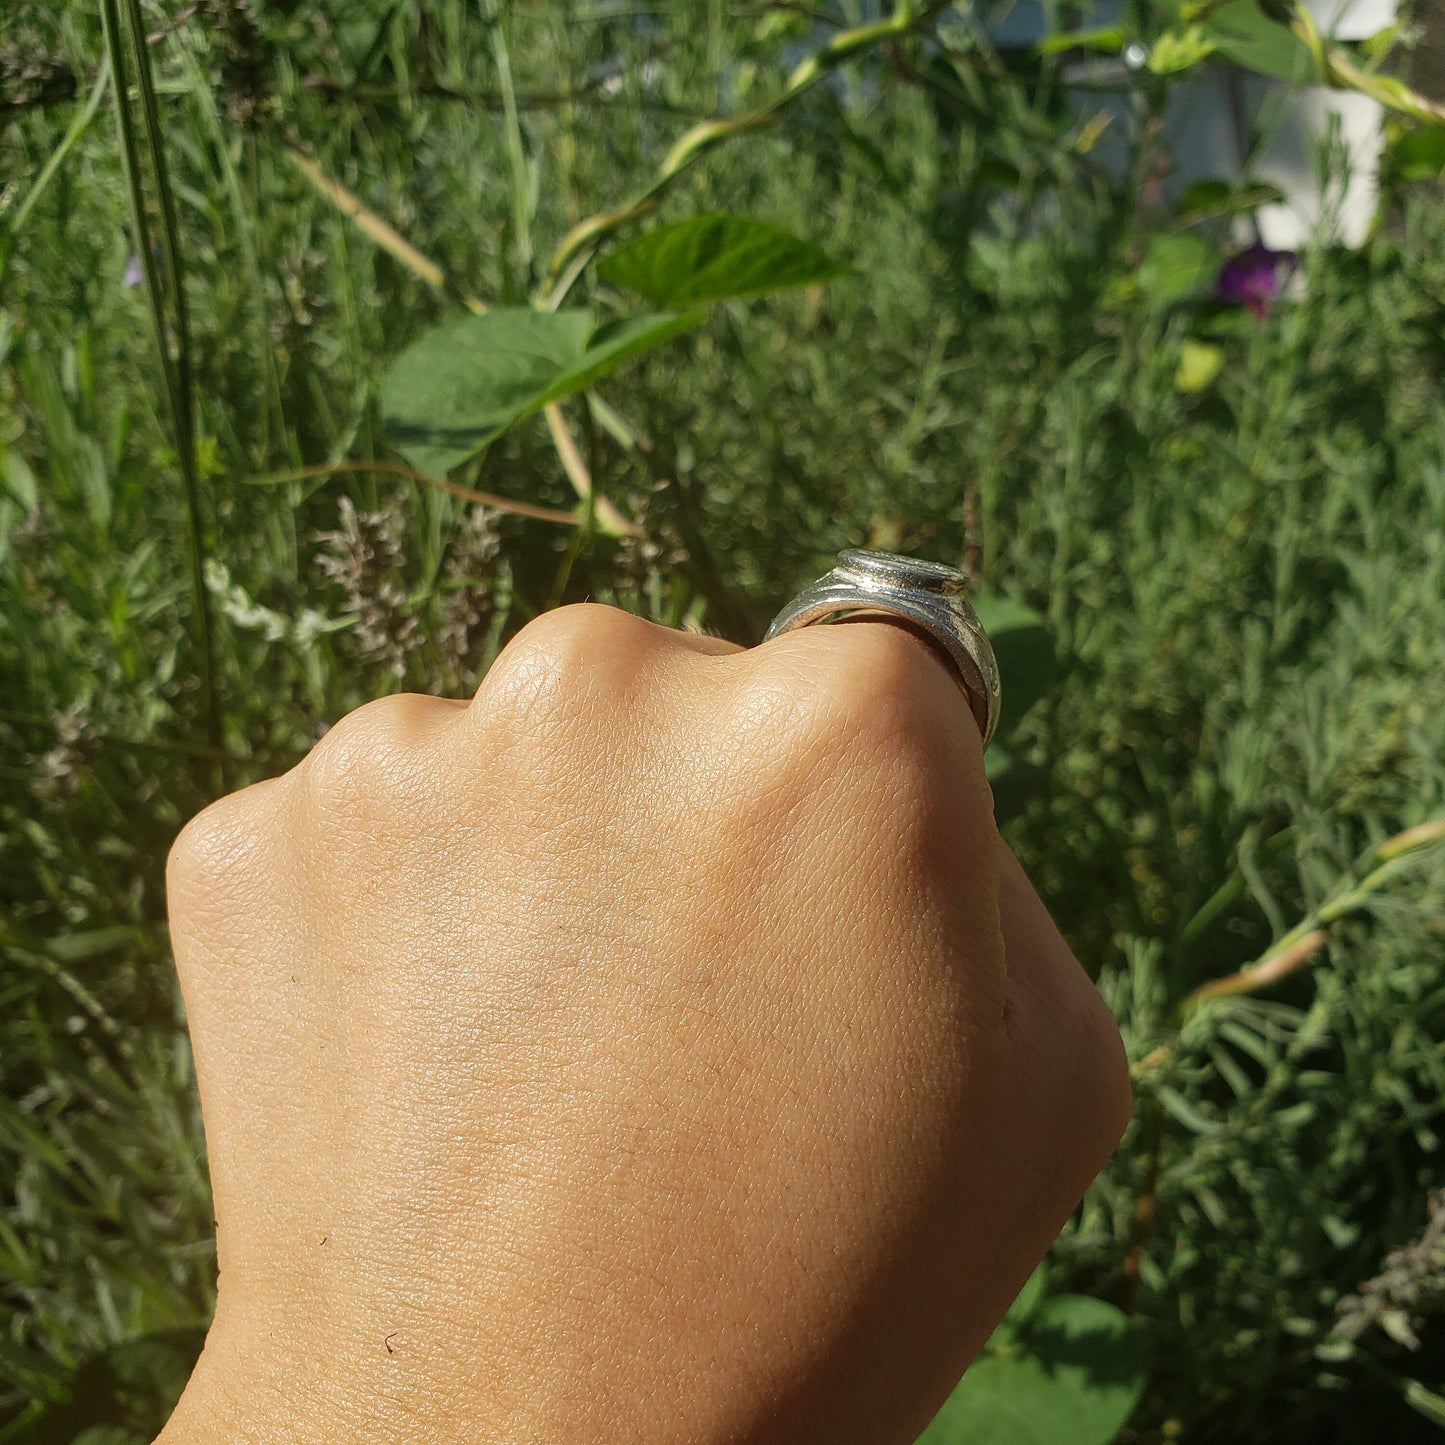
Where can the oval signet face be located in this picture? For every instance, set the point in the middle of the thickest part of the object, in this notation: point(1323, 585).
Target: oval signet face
point(890, 569)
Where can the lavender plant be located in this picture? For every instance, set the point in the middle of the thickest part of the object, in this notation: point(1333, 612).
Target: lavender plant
point(1208, 527)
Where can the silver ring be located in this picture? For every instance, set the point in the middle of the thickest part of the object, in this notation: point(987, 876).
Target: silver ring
point(927, 594)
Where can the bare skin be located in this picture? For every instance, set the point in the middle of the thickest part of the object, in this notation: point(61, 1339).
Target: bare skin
point(661, 1047)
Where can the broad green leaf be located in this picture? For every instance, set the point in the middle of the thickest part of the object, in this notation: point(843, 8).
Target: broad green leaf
point(1200, 362)
point(1210, 199)
point(1242, 33)
point(1377, 47)
point(710, 258)
point(999, 764)
point(1027, 663)
point(1174, 266)
point(1073, 1376)
point(465, 383)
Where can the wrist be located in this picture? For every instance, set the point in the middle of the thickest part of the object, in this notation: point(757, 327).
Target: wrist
point(279, 1385)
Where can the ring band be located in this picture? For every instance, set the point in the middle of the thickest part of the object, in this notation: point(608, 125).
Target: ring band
point(928, 595)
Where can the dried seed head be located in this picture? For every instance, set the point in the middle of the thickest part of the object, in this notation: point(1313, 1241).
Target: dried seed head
point(363, 558)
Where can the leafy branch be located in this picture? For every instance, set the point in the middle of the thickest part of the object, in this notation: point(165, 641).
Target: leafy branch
point(390, 240)
point(580, 244)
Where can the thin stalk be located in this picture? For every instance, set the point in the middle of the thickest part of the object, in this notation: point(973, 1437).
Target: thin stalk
point(731, 613)
point(275, 408)
point(77, 128)
point(579, 244)
point(368, 222)
point(608, 518)
point(1337, 70)
point(175, 372)
point(397, 469)
point(1308, 937)
point(516, 155)
point(1303, 943)
point(1230, 890)
point(425, 269)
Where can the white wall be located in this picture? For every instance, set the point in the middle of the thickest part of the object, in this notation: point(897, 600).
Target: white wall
point(1211, 118)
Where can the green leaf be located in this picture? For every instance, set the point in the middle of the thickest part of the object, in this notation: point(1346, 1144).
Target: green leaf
point(1027, 663)
point(710, 258)
point(1174, 266)
point(1376, 48)
point(1013, 782)
point(1074, 1378)
point(1210, 199)
point(1177, 50)
point(1242, 33)
point(74, 947)
point(463, 384)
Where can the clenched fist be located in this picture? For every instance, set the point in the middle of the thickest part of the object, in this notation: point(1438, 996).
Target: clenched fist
point(660, 1047)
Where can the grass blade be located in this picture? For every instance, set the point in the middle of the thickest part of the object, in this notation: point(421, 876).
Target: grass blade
point(176, 372)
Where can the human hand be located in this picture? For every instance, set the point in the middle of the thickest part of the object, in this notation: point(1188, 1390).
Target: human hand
point(661, 1047)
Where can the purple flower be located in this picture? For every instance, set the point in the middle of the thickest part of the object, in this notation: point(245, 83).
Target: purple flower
point(133, 274)
point(1254, 278)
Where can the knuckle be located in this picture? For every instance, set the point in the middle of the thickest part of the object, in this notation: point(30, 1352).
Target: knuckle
point(1112, 1086)
point(215, 844)
point(1083, 1051)
point(373, 755)
point(872, 697)
point(583, 636)
point(560, 663)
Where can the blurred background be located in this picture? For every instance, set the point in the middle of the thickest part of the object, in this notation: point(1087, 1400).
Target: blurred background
point(339, 339)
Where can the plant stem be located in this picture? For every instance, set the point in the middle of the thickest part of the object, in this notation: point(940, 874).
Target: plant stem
point(731, 612)
point(397, 469)
point(77, 128)
point(385, 235)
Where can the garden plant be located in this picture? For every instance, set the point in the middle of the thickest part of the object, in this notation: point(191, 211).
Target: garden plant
point(338, 340)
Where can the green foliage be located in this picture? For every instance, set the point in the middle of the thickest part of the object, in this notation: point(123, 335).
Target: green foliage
point(1225, 586)
point(1064, 1371)
point(461, 386)
point(1211, 199)
point(712, 258)
point(1419, 155)
point(1024, 649)
point(1243, 33)
point(1175, 266)
point(122, 1396)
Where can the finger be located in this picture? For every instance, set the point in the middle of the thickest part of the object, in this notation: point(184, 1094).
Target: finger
point(852, 645)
